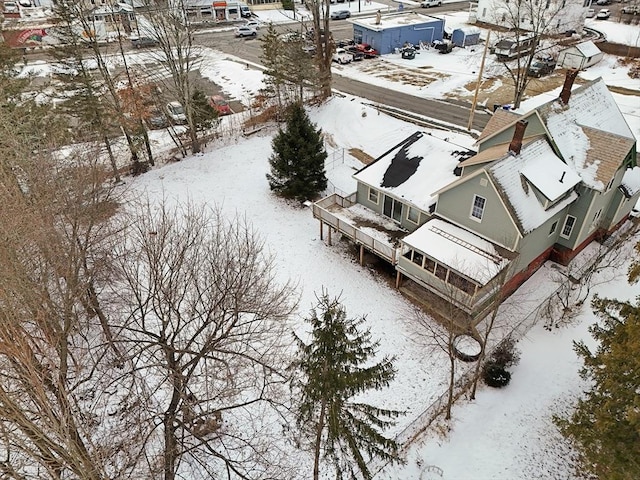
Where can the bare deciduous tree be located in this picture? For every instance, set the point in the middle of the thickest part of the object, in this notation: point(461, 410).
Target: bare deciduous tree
point(526, 19)
point(205, 323)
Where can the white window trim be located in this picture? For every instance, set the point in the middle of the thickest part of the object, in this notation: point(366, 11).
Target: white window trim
point(479, 220)
point(377, 194)
point(562, 234)
point(409, 209)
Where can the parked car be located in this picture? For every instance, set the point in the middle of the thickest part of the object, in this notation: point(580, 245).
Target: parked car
point(142, 42)
point(345, 42)
point(355, 53)
point(603, 14)
point(443, 47)
point(175, 111)
point(631, 9)
point(430, 3)
point(340, 14)
point(542, 66)
point(591, 13)
point(245, 31)
point(220, 105)
point(408, 53)
point(156, 118)
point(368, 50)
point(603, 2)
point(342, 56)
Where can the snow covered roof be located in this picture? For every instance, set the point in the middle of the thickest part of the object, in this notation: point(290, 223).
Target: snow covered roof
point(588, 49)
point(544, 170)
point(468, 30)
point(550, 175)
point(591, 108)
point(394, 21)
point(415, 169)
point(459, 249)
point(631, 181)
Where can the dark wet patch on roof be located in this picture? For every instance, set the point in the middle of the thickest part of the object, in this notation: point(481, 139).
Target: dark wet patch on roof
point(402, 167)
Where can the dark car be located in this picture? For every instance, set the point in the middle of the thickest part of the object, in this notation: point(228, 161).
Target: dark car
point(409, 53)
point(340, 15)
point(443, 47)
point(143, 42)
point(541, 67)
point(345, 43)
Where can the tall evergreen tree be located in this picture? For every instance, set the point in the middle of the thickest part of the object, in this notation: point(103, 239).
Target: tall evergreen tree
point(297, 163)
point(606, 423)
point(335, 367)
point(204, 116)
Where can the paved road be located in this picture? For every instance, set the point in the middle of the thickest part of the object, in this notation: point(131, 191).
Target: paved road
point(442, 111)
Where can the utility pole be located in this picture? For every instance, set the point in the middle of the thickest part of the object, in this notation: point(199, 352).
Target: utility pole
point(475, 95)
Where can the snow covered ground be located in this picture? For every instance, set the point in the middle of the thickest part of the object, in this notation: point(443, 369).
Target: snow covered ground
point(506, 434)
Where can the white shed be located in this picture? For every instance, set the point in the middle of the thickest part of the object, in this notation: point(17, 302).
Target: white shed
point(580, 56)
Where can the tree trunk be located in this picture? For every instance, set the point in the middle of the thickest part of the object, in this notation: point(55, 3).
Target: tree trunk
point(112, 159)
point(452, 371)
point(318, 442)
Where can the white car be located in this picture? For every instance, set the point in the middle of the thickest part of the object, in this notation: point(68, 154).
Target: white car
point(253, 24)
point(591, 13)
point(245, 31)
point(603, 14)
point(175, 111)
point(431, 3)
point(342, 56)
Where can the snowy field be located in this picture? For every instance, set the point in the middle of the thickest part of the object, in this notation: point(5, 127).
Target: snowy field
point(503, 435)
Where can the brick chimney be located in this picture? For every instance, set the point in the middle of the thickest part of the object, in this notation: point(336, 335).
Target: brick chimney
point(518, 135)
point(571, 75)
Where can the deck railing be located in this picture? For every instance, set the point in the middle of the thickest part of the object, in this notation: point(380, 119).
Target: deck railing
point(322, 213)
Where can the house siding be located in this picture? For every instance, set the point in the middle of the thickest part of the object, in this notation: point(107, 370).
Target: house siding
point(496, 225)
point(388, 39)
point(362, 197)
point(539, 240)
point(534, 127)
point(571, 17)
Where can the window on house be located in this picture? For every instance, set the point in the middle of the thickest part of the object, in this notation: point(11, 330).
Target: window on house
point(477, 209)
point(596, 218)
point(554, 226)
point(441, 272)
point(429, 265)
point(610, 184)
point(461, 283)
point(418, 258)
point(569, 222)
point(392, 208)
point(413, 215)
point(373, 195)
point(484, 12)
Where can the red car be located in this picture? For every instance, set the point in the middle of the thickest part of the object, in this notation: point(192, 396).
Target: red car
point(219, 104)
point(368, 50)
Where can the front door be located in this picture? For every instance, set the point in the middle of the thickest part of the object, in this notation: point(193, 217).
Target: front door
point(392, 208)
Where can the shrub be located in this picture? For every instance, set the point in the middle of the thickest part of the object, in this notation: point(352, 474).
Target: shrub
point(505, 354)
point(496, 376)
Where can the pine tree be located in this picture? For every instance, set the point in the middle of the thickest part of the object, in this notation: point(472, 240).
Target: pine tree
point(606, 423)
point(204, 116)
point(333, 371)
point(297, 163)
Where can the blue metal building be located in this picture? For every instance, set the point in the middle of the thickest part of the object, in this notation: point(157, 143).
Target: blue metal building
point(385, 33)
